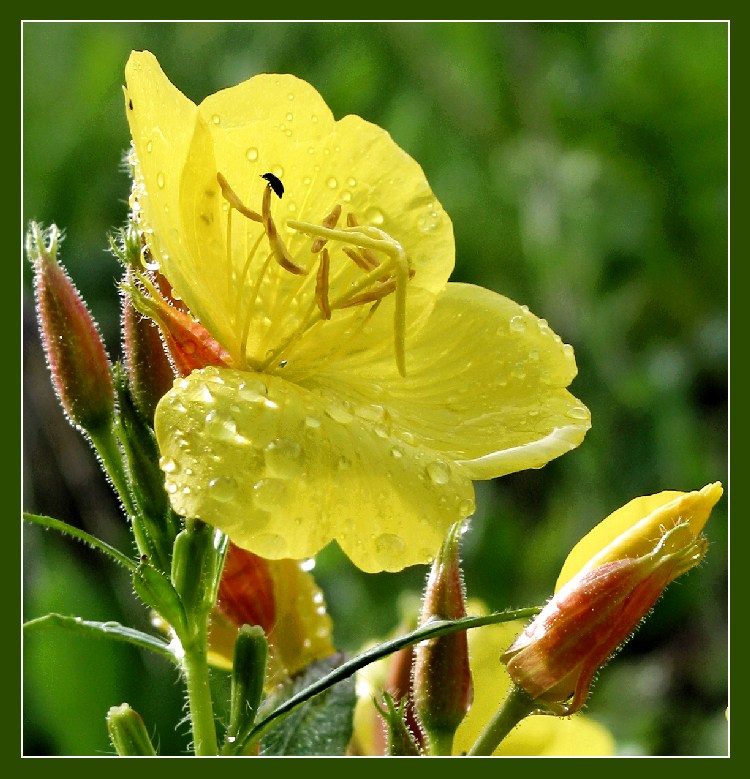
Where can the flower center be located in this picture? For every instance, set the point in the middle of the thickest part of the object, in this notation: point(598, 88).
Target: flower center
point(280, 300)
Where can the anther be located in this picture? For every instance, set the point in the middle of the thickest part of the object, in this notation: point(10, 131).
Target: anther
point(321, 285)
point(330, 221)
point(278, 248)
point(231, 197)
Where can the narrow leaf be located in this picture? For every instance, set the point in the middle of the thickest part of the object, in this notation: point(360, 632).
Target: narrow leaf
point(113, 630)
point(82, 535)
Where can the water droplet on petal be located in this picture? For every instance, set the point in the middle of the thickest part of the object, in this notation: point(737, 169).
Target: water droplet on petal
point(312, 422)
point(168, 465)
point(252, 154)
point(332, 183)
point(271, 546)
point(216, 119)
point(578, 412)
point(150, 147)
point(222, 488)
point(284, 458)
point(517, 324)
point(466, 508)
point(438, 472)
point(160, 180)
point(396, 453)
point(339, 411)
point(389, 548)
point(374, 216)
point(268, 493)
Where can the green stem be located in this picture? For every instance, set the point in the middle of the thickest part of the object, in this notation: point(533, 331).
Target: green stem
point(106, 446)
point(516, 707)
point(195, 666)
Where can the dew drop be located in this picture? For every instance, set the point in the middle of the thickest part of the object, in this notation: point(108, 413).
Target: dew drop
point(314, 118)
point(168, 465)
point(307, 181)
point(396, 453)
point(216, 119)
point(339, 412)
point(268, 493)
point(568, 351)
point(578, 412)
point(517, 324)
point(346, 196)
point(374, 216)
point(277, 171)
point(150, 147)
point(389, 548)
point(466, 508)
point(222, 488)
point(352, 182)
point(332, 183)
point(284, 458)
point(252, 154)
point(438, 472)
point(160, 180)
point(271, 546)
point(289, 117)
point(543, 325)
point(429, 221)
point(312, 422)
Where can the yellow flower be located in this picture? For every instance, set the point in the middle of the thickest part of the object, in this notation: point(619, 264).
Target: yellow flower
point(361, 393)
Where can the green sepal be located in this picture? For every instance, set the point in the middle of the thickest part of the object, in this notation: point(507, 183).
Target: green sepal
point(197, 562)
point(157, 522)
point(128, 733)
point(248, 679)
point(155, 589)
point(401, 742)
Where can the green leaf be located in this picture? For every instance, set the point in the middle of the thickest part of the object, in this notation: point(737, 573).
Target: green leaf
point(323, 725)
point(113, 630)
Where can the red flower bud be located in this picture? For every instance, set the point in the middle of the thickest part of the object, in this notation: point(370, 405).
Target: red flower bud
point(593, 613)
point(77, 359)
point(442, 678)
point(150, 372)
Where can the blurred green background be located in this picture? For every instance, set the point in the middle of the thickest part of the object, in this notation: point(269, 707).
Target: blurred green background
point(584, 166)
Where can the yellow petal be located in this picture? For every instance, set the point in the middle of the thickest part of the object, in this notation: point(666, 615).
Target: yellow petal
point(283, 471)
point(635, 529)
point(277, 124)
point(485, 386)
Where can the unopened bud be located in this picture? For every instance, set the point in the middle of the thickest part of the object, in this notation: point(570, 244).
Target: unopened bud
point(442, 678)
point(150, 373)
point(635, 556)
point(128, 733)
point(248, 680)
point(77, 359)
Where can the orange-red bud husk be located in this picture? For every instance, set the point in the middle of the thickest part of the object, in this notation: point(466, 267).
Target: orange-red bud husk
point(150, 372)
point(77, 359)
point(189, 344)
point(442, 678)
point(556, 658)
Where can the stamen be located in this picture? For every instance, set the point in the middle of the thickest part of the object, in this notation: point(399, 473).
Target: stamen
point(377, 240)
point(278, 248)
point(369, 257)
point(321, 285)
point(232, 198)
point(358, 258)
point(330, 221)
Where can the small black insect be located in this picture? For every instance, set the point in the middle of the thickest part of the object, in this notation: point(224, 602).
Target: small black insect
point(130, 104)
point(274, 183)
